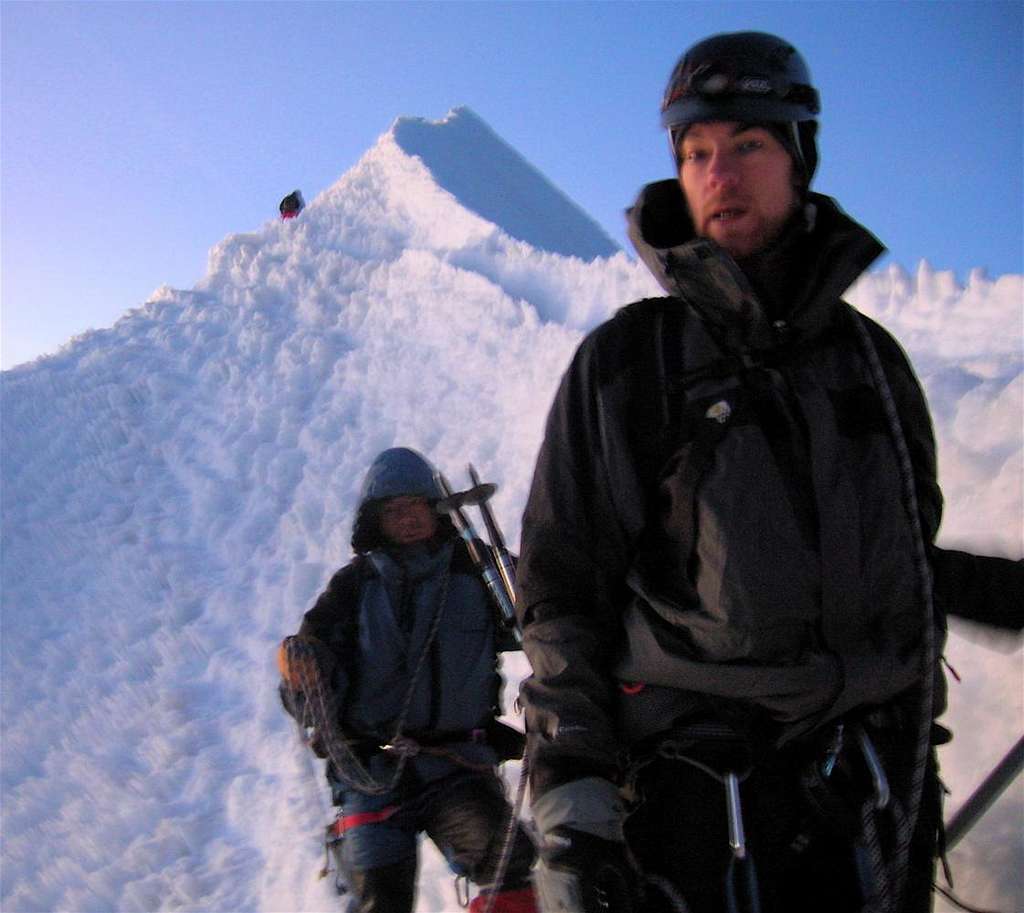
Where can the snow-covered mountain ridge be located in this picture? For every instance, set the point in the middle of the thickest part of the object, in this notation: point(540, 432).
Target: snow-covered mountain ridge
point(177, 488)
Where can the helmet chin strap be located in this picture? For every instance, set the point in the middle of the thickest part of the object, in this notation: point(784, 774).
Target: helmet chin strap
point(674, 146)
point(796, 150)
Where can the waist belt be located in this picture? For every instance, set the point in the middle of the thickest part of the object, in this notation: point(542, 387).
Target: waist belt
point(365, 746)
point(448, 737)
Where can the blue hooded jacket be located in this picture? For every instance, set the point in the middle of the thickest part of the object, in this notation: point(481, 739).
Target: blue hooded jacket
point(376, 619)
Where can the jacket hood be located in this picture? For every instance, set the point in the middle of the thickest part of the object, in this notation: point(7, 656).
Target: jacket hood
point(819, 257)
point(395, 472)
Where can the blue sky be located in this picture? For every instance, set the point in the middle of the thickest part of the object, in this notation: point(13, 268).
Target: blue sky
point(135, 136)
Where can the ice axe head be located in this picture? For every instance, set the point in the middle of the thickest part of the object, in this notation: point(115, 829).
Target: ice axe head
point(471, 497)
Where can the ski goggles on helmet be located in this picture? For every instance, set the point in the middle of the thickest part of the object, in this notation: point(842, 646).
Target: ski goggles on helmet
point(708, 92)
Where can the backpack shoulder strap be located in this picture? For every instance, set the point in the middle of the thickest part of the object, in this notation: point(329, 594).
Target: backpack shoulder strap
point(651, 347)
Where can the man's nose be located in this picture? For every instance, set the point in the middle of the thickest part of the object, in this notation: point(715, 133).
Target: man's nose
point(722, 170)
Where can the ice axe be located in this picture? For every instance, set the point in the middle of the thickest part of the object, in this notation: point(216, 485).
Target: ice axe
point(499, 552)
point(496, 567)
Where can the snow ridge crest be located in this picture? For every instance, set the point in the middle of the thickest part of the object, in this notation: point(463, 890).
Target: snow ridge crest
point(489, 178)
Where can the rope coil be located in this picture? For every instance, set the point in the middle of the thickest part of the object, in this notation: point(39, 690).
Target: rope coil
point(318, 712)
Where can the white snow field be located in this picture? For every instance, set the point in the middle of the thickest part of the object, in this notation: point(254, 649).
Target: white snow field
point(177, 489)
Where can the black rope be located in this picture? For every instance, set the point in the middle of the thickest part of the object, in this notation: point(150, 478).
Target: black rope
point(510, 834)
point(908, 822)
point(957, 902)
point(318, 711)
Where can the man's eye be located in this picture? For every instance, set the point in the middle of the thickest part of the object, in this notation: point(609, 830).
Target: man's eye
point(694, 155)
point(751, 145)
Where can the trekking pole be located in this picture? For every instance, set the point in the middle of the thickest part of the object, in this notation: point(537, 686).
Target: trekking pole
point(498, 548)
point(451, 504)
point(990, 789)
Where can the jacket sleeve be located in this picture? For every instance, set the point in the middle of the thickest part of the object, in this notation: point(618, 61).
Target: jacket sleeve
point(327, 628)
point(981, 589)
point(570, 576)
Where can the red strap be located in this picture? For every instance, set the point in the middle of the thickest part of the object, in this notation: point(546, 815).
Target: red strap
point(519, 901)
point(631, 687)
point(359, 818)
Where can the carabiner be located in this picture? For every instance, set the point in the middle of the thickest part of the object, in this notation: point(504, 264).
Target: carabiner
point(879, 781)
point(737, 837)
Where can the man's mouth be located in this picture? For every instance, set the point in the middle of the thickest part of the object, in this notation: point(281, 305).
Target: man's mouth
point(727, 214)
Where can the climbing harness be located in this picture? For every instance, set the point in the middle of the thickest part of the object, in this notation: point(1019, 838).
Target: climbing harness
point(407, 747)
point(741, 889)
point(852, 818)
point(334, 838)
point(852, 810)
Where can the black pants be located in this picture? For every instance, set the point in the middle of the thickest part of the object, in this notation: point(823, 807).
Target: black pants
point(465, 815)
point(680, 832)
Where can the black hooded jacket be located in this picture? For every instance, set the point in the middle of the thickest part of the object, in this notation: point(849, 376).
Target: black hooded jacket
point(717, 519)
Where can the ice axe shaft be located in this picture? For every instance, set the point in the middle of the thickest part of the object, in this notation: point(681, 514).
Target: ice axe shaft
point(452, 505)
point(502, 558)
point(990, 789)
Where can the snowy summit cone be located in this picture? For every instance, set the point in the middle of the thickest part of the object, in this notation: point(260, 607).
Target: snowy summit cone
point(488, 177)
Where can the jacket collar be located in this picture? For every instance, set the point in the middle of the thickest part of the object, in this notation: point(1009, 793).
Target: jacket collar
point(413, 562)
point(817, 260)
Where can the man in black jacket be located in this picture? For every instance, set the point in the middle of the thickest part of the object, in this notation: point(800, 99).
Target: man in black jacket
point(730, 594)
point(394, 668)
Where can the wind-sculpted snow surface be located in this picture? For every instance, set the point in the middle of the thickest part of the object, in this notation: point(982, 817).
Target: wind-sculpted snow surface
point(966, 346)
point(177, 489)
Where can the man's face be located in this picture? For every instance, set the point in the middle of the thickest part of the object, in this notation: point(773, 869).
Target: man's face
point(407, 519)
point(738, 183)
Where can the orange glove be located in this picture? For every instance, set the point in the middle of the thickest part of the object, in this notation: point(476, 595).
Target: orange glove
point(297, 663)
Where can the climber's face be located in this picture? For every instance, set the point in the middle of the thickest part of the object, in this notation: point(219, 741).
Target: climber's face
point(407, 519)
